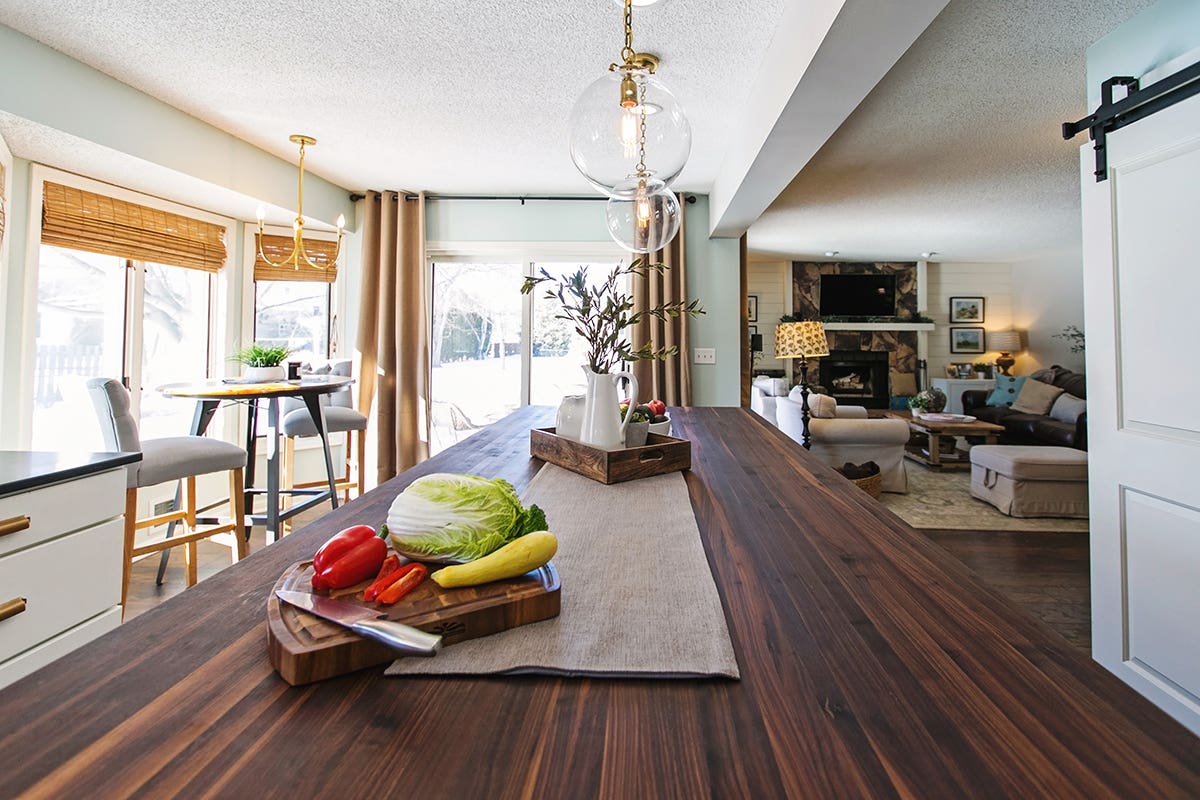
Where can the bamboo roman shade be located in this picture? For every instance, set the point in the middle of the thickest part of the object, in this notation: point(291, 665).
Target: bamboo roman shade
point(82, 220)
point(277, 248)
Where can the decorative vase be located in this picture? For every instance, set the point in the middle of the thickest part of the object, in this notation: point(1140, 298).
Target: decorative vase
point(568, 423)
point(264, 374)
point(937, 400)
point(636, 433)
point(602, 424)
point(663, 428)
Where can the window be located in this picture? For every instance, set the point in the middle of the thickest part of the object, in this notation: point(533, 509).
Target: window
point(293, 303)
point(494, 349)
point(125, 290)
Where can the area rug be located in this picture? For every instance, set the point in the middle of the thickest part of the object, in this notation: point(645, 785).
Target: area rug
point(943, 500)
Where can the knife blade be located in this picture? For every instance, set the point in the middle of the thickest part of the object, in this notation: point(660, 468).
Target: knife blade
point(366, 622)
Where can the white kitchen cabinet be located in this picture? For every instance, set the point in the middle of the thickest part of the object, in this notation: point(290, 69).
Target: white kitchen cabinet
point(954, 388)
point(61, 534)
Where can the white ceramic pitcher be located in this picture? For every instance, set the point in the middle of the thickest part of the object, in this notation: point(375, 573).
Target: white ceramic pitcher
point(602, 423)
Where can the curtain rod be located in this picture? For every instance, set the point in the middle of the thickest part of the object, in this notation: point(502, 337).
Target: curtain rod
point(355, 197)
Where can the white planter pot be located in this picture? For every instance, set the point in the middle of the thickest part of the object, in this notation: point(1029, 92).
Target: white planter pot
point(264, 374)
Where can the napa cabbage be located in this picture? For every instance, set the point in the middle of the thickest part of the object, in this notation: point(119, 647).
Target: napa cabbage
point(447, 518)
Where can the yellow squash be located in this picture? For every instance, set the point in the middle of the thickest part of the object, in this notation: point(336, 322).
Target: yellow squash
point(516, 558)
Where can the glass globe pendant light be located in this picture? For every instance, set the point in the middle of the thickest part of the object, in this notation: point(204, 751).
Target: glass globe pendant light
point(643, 214)
point(623, 113)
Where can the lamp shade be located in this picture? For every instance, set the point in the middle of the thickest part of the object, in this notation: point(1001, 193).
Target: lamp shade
point(1004, 341)
point(800, 340)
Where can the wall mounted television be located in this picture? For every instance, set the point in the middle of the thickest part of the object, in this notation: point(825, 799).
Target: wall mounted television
point(858, 295)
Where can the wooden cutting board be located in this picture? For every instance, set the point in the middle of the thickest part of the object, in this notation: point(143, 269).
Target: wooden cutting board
point(305, 648)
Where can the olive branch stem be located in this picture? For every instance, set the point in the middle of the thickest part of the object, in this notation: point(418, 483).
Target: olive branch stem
point(602, 314)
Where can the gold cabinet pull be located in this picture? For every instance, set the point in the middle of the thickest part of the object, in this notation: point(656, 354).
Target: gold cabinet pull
point(12, 608)
point(13, 525)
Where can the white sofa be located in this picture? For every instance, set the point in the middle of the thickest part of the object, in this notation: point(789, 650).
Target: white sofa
point(763, 392)
point(848, 435)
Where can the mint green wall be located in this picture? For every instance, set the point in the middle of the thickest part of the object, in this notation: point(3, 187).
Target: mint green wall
point(1165, 30)
point(40, 84)
point(512, 221)
point(714, 277)
point(712, 267)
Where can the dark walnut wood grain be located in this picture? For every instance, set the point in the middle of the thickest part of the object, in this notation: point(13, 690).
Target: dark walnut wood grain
point(660, 455)
point(305, 648)
point(873, 664)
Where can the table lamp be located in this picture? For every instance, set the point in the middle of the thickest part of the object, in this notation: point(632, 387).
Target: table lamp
point(1005, 342)
point(802, 340)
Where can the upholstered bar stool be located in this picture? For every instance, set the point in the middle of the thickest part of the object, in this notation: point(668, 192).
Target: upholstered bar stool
point(174, 458)
point(340, 417)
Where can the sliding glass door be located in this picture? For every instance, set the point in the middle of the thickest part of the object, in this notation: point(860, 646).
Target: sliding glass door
point(494, 349)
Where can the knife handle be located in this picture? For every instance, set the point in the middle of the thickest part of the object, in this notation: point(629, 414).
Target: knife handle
point(402, 638)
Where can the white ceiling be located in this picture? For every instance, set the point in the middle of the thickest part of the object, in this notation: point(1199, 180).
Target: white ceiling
point(958, 150)
point(424, 94)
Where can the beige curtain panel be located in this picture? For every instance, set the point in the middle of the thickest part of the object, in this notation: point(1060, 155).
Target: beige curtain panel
point(393, 330)
point(669, 380)
point(80, 220)
point(276, 248)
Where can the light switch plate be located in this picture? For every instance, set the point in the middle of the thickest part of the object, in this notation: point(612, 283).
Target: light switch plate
point(704, 355)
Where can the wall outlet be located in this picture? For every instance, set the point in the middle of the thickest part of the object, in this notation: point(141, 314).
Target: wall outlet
point(704, 355)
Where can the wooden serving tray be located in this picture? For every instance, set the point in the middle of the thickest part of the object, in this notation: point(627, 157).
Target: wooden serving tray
point(660, 455)
point(305, 648)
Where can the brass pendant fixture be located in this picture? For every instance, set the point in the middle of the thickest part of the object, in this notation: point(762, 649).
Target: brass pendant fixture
point(299, 254)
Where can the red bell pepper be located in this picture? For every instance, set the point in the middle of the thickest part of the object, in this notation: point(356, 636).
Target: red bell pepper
point(410, 577)
point(384, 579)
point(350, 557)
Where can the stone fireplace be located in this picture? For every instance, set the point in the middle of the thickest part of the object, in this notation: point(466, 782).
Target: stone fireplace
point(856, 377)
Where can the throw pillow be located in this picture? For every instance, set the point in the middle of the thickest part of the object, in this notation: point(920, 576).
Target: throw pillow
point(822, 406)
point(1036, 397)
point(1067, 408)
point(1006, 391)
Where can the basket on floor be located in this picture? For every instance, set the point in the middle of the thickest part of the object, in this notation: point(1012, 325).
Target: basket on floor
point(871, 484)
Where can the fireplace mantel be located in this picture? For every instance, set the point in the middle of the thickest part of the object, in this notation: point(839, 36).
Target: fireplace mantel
point(878, 326)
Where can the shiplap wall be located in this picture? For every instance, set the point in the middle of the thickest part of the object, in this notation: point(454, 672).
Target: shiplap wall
point(993, 282)
point(771, 283)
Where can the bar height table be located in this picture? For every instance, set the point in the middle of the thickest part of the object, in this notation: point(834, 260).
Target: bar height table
point(210, 394)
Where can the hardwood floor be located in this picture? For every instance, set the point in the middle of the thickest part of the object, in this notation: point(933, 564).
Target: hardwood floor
point(1047, 574)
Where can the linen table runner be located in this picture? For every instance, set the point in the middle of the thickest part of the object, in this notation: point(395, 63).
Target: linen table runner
point(638, 597)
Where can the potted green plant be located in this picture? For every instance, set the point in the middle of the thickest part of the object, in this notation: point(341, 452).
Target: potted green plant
point(917, 404)
point(981, 369)
point(603, 315)
point(263, 363)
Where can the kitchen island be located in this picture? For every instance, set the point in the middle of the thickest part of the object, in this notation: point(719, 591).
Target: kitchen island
point(872, 663)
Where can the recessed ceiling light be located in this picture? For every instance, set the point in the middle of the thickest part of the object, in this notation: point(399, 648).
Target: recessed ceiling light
point(641, 3)
point(928, 254)
point(830, 253)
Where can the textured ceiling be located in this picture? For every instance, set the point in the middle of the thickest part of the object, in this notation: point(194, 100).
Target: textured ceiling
point(958, 150)
point(423, 94)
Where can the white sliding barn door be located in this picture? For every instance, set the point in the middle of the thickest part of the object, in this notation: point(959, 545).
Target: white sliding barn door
point(1141, 245)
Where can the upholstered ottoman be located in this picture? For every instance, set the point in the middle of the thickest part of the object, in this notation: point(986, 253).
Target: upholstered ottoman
point(1031, 481)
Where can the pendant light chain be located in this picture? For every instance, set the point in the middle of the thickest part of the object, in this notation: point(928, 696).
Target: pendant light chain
point(641, 165)
point(628, 52)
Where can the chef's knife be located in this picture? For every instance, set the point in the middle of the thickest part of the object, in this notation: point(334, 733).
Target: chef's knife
point(366, 622)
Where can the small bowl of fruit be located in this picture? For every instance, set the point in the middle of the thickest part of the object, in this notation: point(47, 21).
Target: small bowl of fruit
point(660, 421)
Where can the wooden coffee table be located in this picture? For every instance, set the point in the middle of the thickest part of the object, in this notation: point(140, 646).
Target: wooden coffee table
point(935, 430)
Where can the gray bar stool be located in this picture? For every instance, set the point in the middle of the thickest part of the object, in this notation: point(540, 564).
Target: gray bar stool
point(173, 458)
point(340, 417)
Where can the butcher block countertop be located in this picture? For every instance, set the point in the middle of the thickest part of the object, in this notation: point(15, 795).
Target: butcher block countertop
point(873, 665)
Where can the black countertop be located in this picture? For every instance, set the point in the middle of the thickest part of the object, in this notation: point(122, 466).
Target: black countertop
point(24, 469)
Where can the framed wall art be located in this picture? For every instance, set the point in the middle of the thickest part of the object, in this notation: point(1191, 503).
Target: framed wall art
point(752, 308)
point(966, 309)
point(966, 340)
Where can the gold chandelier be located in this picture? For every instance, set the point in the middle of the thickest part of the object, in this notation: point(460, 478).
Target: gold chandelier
point(298, 253)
